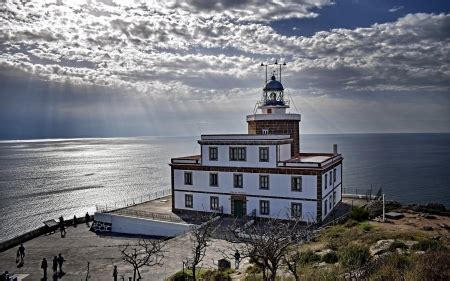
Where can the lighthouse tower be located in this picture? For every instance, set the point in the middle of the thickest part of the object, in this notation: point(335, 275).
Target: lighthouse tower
point(271, 117)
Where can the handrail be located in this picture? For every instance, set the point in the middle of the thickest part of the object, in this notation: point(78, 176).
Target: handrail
point(133, 201)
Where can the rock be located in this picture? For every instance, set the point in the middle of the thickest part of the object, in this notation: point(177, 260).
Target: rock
point(444, 226)
point(430, 217)
point(436, 237)
point(427, 228)
point(324, 252)
point(375, 208)
point(410, 243)
point(420, 252)
point(381, 246)
point(400, 251)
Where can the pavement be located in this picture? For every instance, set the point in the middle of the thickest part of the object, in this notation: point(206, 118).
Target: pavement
point(81, 246)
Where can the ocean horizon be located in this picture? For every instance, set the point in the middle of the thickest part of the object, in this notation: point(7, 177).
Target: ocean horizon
point(42, 179)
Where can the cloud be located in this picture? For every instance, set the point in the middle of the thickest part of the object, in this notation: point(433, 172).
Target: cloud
point(395, 9)
point(196, 49)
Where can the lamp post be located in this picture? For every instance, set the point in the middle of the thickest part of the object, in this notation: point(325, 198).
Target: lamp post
point(275, 63)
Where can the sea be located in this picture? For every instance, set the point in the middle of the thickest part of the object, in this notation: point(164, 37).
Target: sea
point(44, 179)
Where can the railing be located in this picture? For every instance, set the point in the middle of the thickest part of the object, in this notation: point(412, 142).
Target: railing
point(133, 201)
point(148, 215)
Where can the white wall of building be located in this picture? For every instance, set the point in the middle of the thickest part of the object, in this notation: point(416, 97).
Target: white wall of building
point(326, 186)
point(142, 226)
point(279, 208)
point(284, 152)
point(279, 184)
point(252, 159)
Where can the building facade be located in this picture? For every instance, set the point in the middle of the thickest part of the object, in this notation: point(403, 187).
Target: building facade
point(262, 173)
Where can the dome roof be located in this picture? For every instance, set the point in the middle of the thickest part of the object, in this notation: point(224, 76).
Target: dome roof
point(273, 85)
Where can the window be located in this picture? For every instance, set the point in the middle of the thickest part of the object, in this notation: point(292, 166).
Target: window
point(214, 203)
point(188, 178)
point(213, 153)
point(296, 184)
point(213, 179)
point(326, 205)
point(334, 174)
point(263, 154)
point(238, 180)
point(263, 182)
point(265, 131)
point(237, 154)
point(334, 198)
point(188, 200)
point(296, 210)
point(331, 178)
point(326, 181)
point(331, 204)
point(264, 207)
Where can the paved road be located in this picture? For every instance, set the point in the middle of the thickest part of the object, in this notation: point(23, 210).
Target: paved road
point(80, 246)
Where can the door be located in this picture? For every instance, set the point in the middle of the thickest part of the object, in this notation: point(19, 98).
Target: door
point(238, 208)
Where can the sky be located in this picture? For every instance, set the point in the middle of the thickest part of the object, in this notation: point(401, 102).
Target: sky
point(106, 68)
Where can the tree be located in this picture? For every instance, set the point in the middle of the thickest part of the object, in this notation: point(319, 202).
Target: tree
point(200, 237)
point(292, 260)
point(143, 253)
point(267, 242)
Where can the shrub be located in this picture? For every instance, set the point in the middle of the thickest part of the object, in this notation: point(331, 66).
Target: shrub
point(333, 245)
point(428, 244)
point(433, 266)
point(350, 223)
point(353, 256)
point(359, 214)
point(366, 226)
point(308, 257)
point(330, 257)
point(391, 267)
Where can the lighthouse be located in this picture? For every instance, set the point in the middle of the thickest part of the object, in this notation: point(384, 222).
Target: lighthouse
point(261, 173)
point(271, 116)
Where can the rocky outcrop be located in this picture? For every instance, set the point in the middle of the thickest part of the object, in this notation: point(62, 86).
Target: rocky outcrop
point(381, 247)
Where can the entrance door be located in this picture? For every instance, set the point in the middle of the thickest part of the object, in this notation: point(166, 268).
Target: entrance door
point(238, 208)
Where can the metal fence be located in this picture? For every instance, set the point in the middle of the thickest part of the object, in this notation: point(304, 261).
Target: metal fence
point(133, 201)
point(148, 215)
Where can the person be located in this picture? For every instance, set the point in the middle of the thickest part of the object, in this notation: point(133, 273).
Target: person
point(22, 252)
point(115, 273)
point(5, 276)
point(237, 258)
point(60, 263)
point(44, 267)
point(74, 221)
point(55, 265)
point(61, 226)
point(87, 218)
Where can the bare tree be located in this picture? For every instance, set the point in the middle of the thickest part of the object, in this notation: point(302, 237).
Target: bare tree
point(268, 241)
point(143, 253)
point(200, 237)
point(292, 260)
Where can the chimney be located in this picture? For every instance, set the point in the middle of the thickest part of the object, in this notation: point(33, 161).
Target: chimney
point(335, 152)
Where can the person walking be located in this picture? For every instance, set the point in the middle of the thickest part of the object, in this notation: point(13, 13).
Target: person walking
point(44, 267)
point(115, 273)
point(74, 221)
point(87, 218)
point(61, 260)
point(55, 265)
point(61, 226)
point(22, 252)
point(237, 259)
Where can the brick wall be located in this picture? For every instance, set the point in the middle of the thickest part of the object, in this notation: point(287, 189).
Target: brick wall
point(278, 127)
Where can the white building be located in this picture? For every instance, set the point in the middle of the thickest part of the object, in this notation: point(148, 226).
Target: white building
point(262, 173)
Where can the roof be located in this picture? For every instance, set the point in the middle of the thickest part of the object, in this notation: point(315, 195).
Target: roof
point(245, 139)
point(273, 85)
